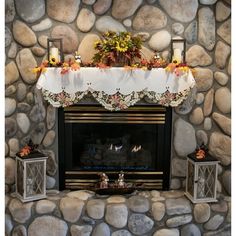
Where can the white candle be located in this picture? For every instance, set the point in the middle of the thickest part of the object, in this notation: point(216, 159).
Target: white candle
point(177, 55)
point(54, 52)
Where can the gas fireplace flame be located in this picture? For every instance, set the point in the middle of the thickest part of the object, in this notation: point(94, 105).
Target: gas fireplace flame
point(136, 148)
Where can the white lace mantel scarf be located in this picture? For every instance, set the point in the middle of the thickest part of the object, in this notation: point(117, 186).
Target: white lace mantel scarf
point(115, 88)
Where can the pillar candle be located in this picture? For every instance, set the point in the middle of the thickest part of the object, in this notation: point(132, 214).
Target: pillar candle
point(177, 55)
point(54, 52)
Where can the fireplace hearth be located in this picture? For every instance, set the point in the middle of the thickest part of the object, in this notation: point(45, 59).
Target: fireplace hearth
point(93, 140)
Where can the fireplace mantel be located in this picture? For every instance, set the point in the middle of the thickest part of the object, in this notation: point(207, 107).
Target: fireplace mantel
point(115, 88)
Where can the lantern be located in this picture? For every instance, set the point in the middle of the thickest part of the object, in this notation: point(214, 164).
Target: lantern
point(55, 50)
point(178, 49)
point(31, 177)
point(201, 178)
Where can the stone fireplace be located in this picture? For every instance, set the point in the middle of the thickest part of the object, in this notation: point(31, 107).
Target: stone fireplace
point(94, 140)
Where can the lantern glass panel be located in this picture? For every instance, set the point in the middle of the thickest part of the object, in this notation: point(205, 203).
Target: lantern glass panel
point(34, 178)
point(206, 181)
point(190, 178)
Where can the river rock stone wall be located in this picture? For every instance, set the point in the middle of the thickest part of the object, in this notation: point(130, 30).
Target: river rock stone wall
point(205, 117)
point(82, 213)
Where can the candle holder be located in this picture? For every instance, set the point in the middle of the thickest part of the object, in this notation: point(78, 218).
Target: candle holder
point(178, 50)
point(55, 51)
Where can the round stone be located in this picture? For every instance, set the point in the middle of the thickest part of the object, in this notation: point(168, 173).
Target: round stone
point(43, 40)
point(42, 25)
point(223, 122)
point(178, 206)
point(179, 10)
point(38, 51)
point(207, 123)
point(10, 166)
point(69, 36)
point(6, 149)
point(116, 215)
point(84, 230)
point(85, 20)
point(179, 220)
point(191, 31)
point(229, 66)
point(51, 116)
point(138, 204)
point(11, 73)
point(214, 222)
point(165, 232)
point(203, 78)
point(178, 167)
point(10, 127)
point(21, 212)
point(49, 138)
point(202, 212)
point(220, 147)
point(38, 133)
point(122, 232)
point(146, 53)
point(224, 31)
point(208, 103)
point(222, 53)
point(25, 62)
point(47, 225)
point(116, 199)
point(89, 2)
point(175, 184)
point(23, 122)
point(127, 23)
point(184, 137)
point(10, 106)
point(13, 146)
point(177, 28)
point(37, 113)
point(63, 10)
point(101, 229)
point(71, 208)
point(8, 224)
point(155, 193)
point(197, 56)
point(10, 90)
point(21, 92)
point(81, 194)
point(143, 35)
point(12, 50)
point(149, 18)
point(140, 224)
point(23, 34)
point(223, 99)
point(107, 23)
point(51, 162)
point(50, 182)
point(95, 208)
point(206, 23)
point(86, 48)
point(208, 2)
point(45, 207)
point(158, 210)
point(221, 206)
point(160, 40)
point(10, 11)
point(222, 11)
point(101, 6)
point(221, 78)
point(122, 9)
point(226, 180)
point(202, 137)
point(30, 11)
point(8, 36)
point(199, 98)
point(196, 117)
point(190, 229)
point(19, 230)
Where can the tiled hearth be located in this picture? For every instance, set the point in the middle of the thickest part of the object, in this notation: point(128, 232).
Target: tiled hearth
point(142, 213)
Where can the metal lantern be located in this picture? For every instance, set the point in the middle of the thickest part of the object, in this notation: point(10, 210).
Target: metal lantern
point(31, 177)
point(201, 178)
point(178, 50)
point(55, 49)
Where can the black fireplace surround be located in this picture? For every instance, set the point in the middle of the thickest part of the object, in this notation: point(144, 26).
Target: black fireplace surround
point(93, 140)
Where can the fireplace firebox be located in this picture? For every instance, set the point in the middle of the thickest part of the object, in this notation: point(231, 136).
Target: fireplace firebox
point(136, 141)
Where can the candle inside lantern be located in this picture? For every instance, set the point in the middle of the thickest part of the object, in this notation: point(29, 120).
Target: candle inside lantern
point(54, 52)
point(177, 55)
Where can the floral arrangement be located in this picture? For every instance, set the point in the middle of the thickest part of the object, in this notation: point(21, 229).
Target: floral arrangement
point(117, 48)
